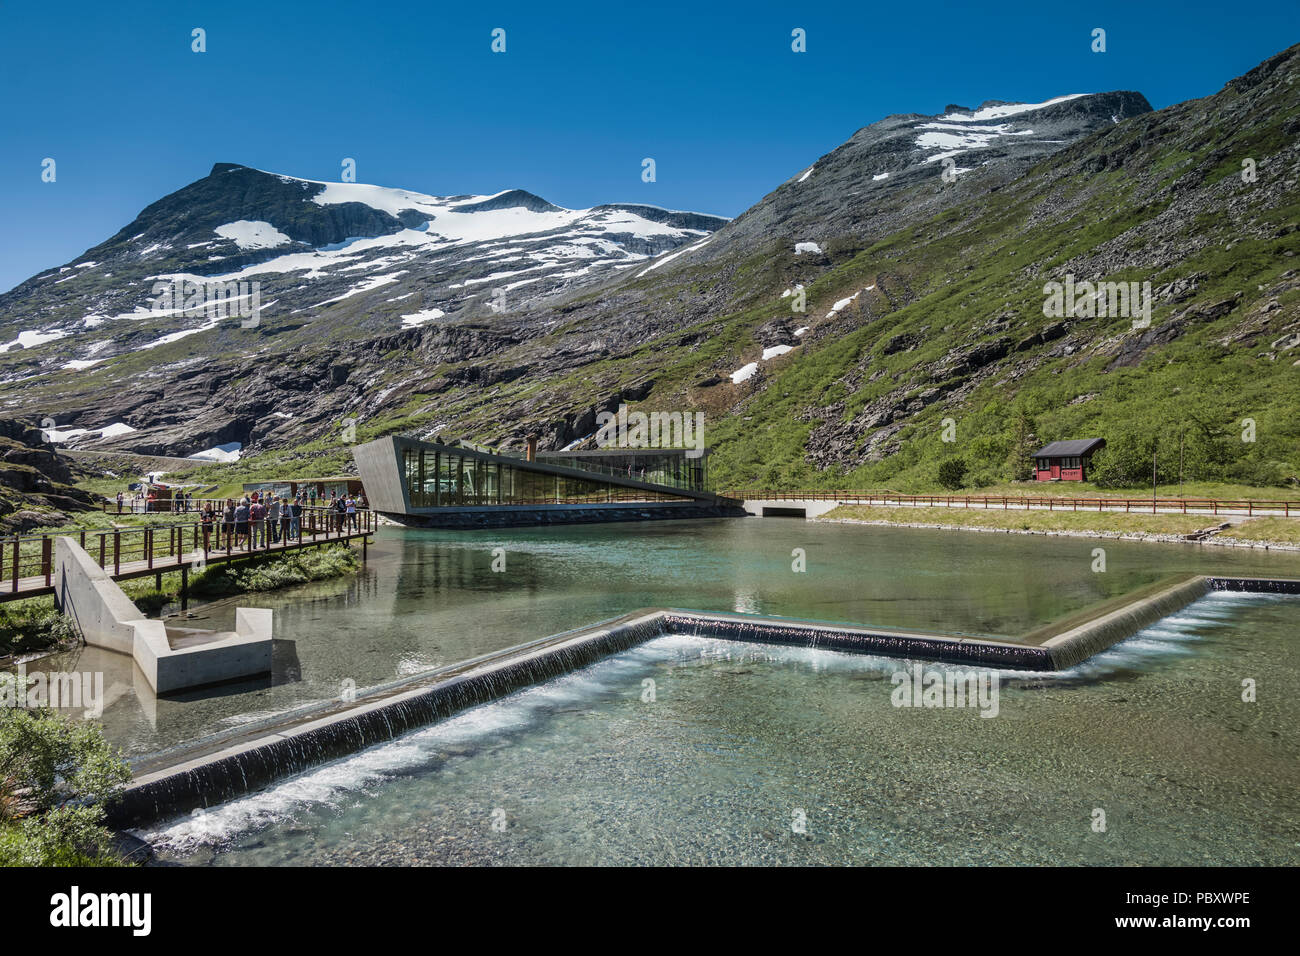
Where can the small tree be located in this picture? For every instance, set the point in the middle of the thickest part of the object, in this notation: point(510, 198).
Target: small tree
point(952, 472)
point(1125, 462)
point(1023, 442)
point(55, 776)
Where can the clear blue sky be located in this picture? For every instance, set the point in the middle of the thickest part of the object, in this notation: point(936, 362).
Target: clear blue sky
point(583, 92)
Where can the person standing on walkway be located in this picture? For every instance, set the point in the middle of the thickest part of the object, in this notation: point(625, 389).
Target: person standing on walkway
point(273, 519)
point(228, 523)
point(295, 518)
point(241, 522)
point(208, 517)
point(257, 522)
point(350, 507)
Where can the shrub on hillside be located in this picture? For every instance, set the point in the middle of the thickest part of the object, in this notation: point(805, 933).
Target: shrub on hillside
point(952, 473)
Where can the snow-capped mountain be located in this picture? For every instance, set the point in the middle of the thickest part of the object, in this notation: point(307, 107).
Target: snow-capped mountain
point(487, 315)
point(908, 166)
point(348, 257)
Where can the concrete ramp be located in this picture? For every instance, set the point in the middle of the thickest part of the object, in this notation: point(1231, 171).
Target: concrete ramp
point(170, 661)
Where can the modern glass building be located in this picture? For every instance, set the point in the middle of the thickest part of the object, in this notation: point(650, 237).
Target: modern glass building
point(429, 483)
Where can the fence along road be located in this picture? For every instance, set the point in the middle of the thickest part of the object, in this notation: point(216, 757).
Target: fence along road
point(1248, 507)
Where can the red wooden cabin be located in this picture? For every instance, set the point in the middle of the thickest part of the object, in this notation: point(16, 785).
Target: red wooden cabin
point(1065, 460)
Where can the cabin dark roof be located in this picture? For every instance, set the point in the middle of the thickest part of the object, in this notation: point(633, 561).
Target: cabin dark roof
point(1077, 446)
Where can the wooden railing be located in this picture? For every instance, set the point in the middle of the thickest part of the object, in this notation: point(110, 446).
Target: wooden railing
point(1212, 506)
point(166, 545)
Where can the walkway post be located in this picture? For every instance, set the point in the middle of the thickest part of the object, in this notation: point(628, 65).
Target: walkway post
point(185, 588)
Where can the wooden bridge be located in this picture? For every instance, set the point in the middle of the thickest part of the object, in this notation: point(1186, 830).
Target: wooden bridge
point(27, 561)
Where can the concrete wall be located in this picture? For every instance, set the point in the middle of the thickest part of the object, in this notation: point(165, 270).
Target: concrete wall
point(380, 468)
point(811, 507)
point(245, 652)
point(84, 591)
point(105, 617)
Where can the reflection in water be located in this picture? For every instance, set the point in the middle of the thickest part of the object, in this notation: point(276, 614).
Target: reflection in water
point(589, 772)
point(429, 598)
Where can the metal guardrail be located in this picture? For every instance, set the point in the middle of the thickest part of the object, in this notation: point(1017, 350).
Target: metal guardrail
point(1212, 506)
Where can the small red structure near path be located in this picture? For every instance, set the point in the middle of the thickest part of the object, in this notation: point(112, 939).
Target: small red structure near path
point(1065, 460)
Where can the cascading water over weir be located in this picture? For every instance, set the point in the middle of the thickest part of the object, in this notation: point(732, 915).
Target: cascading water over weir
point(239, 766)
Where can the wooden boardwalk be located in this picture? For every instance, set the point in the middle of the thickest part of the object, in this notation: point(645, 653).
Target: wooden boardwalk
point(183, 550)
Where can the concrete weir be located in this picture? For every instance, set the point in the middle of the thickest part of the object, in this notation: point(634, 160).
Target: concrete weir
point(244, 762)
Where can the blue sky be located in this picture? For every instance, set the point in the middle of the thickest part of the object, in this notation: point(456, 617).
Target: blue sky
point(412, 92)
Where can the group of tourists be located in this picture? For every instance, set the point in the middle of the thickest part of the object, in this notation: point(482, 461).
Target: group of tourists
point(259, 520)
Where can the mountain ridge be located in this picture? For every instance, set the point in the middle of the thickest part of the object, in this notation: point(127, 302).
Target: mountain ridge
point(675, 328)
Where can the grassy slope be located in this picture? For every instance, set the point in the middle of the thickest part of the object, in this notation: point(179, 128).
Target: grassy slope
point(1191, 380)
point(1269, 530)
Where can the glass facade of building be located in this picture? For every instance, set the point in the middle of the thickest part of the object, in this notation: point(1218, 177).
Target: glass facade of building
point(440, 477)
point(664, 467)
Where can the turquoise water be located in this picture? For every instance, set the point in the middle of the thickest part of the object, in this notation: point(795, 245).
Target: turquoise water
point(430, 598)
point(741, 741)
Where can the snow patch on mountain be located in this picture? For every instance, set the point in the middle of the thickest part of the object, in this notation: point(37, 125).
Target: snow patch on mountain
point(416, 319)
point(229, 452)
point(32, 338)
point(252, 234)
point(1005, 110)
point(670, 257)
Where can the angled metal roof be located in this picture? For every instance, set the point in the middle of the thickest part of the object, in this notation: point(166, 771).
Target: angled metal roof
point(1077, 446)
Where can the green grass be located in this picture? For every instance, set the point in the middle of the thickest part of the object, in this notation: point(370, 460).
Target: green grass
point(298, 567)
point(1270, 530)
point(1108, 522)
point(32, 625)
point(1086, 489)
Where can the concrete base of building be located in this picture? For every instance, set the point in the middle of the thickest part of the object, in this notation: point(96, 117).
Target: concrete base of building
point(516, 516)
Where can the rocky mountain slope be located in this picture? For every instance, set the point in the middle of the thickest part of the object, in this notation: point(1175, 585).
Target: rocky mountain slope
point(333, 263)
point(919, 250)
point(35, 481)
